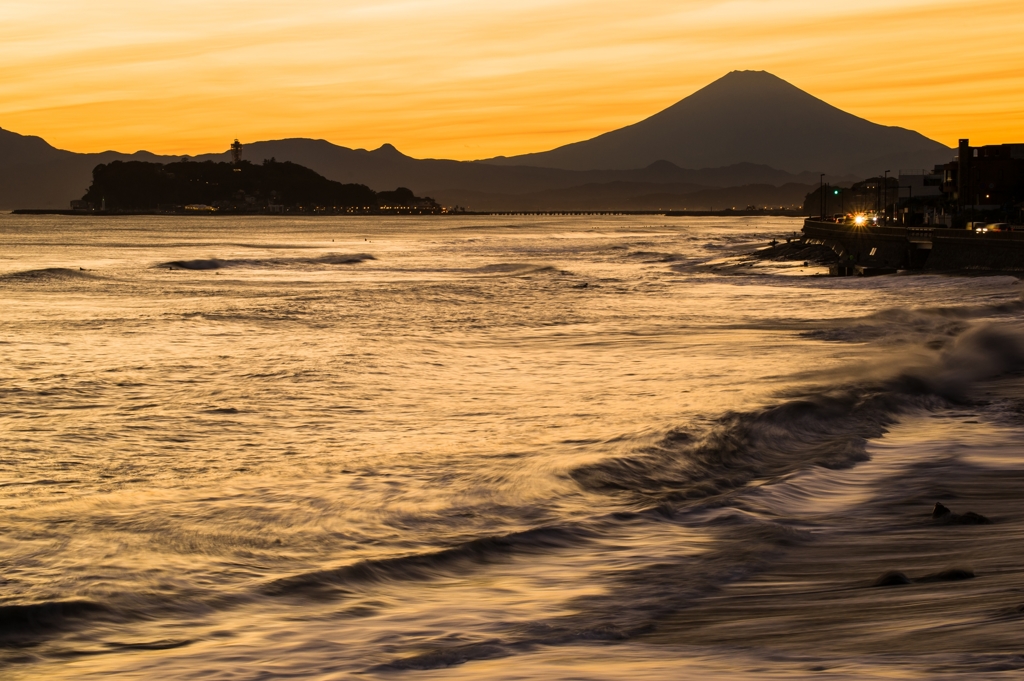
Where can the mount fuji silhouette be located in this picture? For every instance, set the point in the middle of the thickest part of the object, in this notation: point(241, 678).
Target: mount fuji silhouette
point(749, 117)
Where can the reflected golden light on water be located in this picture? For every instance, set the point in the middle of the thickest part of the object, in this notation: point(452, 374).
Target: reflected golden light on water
point(510, 448)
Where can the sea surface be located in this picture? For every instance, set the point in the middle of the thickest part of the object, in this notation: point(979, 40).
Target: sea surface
point(506, 447)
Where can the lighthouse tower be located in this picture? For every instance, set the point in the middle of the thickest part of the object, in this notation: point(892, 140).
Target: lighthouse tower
point(236, 153)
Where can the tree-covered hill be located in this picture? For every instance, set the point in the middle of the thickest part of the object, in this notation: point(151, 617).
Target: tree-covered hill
point(136, 185)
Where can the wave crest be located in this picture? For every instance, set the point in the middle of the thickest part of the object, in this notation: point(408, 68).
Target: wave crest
point(47, 274)
point(216, 263)
point(428, 565)
point(20, 622)
point(828, 429)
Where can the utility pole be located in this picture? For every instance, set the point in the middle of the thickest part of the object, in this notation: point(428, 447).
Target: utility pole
point(821, 197)
point(885, 199)
point(910, 200)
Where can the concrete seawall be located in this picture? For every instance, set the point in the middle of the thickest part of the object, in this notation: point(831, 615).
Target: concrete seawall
point(955, 249)
point(866, 249)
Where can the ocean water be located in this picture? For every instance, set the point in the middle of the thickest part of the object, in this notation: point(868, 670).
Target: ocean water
point(502, 448)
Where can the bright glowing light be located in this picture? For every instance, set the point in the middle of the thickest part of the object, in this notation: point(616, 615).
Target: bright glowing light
point(859, 220)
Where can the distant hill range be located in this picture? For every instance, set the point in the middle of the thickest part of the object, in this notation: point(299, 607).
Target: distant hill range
point(748, 138)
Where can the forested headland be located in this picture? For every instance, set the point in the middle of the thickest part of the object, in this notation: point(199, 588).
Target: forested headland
point(270, 187)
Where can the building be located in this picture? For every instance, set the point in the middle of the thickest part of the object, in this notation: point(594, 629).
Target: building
point(985, 178)
point(920, 183)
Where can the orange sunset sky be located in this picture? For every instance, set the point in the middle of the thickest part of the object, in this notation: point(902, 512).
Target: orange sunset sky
point(471, 79)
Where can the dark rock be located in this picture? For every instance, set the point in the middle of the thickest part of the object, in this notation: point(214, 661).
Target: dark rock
point(947, 517)
point(951, 575)
point(891, 578)
point(972, 518)
point(895, 578)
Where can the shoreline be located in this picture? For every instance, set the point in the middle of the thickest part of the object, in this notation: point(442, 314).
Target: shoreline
point(581, 212)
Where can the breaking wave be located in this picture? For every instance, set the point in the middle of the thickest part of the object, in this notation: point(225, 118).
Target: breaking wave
point(512, 268)
point(429, 565)
point(48, 274)
point(21, 622)
point(829, 428)
point(216, 264)
point(655, 256)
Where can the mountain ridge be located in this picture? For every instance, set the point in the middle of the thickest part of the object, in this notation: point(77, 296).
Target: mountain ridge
point(33, 173)
point(48, 177)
